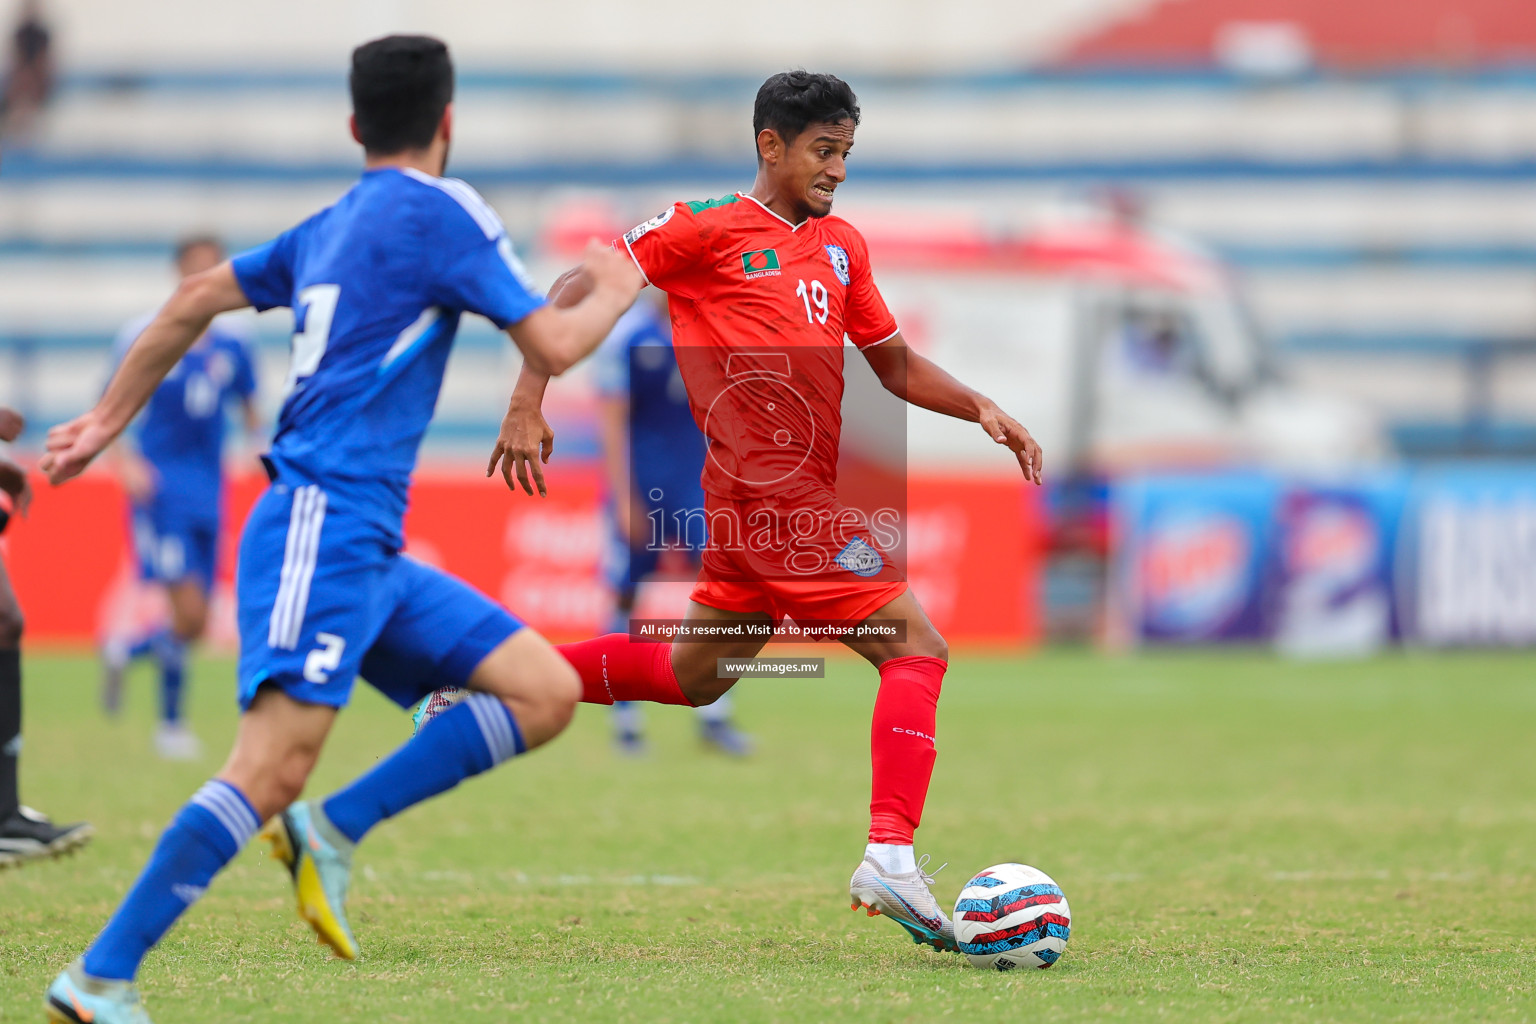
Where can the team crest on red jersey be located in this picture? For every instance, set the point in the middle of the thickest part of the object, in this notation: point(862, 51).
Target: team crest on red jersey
point(839, 257)
point(860, 558)
point(760, 263)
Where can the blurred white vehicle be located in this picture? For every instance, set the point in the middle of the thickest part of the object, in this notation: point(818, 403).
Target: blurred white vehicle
point(1119, 348)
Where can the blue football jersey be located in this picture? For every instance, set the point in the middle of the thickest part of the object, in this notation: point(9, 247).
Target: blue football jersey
point(181, 430)
point(636, 362)
point(377, 284)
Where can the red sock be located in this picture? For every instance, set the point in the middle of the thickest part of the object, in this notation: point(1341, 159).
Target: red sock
point(901, 746)
point(613, 667)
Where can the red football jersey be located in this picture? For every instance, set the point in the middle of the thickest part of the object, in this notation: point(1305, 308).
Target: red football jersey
point(759, 310)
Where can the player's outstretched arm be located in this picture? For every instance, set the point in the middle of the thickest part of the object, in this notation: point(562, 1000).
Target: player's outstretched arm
point(920, 381)
point(555, 337)
point(525, 439)
point(180, 322)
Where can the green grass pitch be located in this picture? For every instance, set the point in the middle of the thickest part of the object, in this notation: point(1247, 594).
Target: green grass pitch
point(1241, 839)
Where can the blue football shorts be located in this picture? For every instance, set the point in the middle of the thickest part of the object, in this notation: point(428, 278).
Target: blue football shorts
point(323, 597)
point(174, 543)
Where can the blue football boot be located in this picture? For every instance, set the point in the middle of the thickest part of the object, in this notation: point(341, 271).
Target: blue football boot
point(320, 865)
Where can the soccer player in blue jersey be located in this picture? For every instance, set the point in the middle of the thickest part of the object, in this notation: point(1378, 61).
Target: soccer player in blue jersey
point(377, 284)
point(653, 501)
point(172, 469)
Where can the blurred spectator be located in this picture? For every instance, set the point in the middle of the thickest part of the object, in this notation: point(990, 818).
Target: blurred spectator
point(29, 83)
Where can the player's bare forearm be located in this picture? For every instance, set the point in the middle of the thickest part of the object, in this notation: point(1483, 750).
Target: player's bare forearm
point(180, 322)
point(920, 381)
point(528, 392)
point(555, 337)
point(157, 350)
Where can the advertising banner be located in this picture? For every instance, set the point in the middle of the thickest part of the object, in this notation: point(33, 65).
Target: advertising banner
point(1190, 559)
point(1332, 590)
point(1466, 573)
point(1439, 557)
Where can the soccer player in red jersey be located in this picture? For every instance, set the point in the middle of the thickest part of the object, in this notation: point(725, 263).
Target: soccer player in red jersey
point(764, 286)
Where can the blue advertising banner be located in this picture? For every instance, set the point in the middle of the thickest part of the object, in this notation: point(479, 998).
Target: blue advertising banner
point(1331, 585)
point(1190, 557)
point(1443, 557)
point(1466, 562)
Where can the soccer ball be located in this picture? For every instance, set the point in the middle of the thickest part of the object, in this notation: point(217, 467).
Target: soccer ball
point(1012, 915)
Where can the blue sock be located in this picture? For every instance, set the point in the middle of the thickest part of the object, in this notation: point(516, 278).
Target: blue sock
point(172, 654)
point(145, 646)
point(467, 739)
point(204, 836)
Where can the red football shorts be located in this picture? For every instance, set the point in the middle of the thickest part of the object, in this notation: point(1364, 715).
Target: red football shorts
point(806, 557)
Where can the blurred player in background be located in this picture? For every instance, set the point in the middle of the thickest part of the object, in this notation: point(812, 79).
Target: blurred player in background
point(643, 409)
point(172, 469)
point(24, 833)
point(764, 287)
point(378, 283)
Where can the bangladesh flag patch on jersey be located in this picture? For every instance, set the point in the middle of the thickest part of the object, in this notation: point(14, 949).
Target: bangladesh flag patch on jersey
point(760, 263)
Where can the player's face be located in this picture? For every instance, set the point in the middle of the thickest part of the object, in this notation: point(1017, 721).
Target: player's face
point(814, 164)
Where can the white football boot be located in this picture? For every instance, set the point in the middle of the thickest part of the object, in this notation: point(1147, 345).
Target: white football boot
point(904, 898)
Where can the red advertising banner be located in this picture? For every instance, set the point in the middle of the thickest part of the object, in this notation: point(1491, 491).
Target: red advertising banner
point(973, 555)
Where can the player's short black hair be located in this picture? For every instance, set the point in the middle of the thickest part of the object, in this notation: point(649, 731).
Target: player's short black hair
point(187, 243)
point(792, 101)
point(400, 87)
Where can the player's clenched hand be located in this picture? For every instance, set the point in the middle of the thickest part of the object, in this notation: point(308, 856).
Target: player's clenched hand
point(72, 446)
point(525, 440)
point(1004, 429)
point(612, 269)
point(11, 424)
